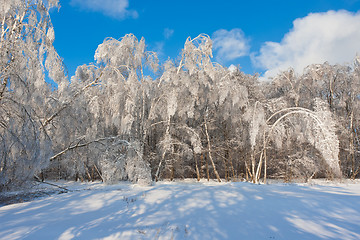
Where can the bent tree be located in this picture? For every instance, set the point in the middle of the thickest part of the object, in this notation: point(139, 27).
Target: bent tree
point(324, 136)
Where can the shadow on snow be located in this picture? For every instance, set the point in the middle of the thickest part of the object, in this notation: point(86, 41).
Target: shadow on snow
point(188, 211)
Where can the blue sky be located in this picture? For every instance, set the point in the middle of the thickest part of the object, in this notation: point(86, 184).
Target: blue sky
point(260, 36)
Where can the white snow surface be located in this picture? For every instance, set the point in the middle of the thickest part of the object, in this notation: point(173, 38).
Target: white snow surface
point(189, 210)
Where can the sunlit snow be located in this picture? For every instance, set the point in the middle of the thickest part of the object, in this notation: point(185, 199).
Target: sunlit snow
point(189, 210)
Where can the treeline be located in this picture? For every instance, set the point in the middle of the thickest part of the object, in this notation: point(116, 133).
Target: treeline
point(127, 117)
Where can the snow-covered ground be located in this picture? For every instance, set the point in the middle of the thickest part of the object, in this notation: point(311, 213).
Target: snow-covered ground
point(189, 210)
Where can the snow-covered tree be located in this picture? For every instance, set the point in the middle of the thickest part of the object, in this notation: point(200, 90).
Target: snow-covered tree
point(115, 94)
point(113, 121)
point(27, 54)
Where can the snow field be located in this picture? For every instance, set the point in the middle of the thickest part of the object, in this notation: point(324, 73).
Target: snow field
point(189, 210)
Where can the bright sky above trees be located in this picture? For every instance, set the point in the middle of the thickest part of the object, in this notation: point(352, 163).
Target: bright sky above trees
point(260, 36)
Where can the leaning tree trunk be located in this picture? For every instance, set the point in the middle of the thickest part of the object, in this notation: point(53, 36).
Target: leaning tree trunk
point(210, 156)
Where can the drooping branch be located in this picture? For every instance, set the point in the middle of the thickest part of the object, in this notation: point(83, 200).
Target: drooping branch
point(68, 103)
point(266, 139)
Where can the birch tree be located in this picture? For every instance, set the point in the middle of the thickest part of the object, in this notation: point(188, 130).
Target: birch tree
point(26, 55)
point(116, 101)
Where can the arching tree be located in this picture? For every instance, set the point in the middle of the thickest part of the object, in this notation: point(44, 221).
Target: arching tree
point(320, 132)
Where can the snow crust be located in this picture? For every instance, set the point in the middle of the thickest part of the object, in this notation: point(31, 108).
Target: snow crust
point(189, 210)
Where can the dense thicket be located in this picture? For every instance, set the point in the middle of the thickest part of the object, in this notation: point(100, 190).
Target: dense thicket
point(127, 117)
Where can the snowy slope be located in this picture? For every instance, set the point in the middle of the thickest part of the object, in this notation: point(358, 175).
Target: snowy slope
point(188, 210)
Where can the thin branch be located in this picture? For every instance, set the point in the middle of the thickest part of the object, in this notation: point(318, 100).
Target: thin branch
point(37, 179)
point(65, 105)
point(78, 145)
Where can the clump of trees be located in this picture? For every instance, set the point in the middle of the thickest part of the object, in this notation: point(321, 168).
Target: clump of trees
point(192, 119)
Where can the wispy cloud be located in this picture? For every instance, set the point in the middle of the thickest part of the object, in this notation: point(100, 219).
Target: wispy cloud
point(113, 8)
point(168, 33)
point(319, 37)
point(230, 45)
point(158, 47)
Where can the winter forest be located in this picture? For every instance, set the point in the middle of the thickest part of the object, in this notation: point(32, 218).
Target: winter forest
point(129, 117)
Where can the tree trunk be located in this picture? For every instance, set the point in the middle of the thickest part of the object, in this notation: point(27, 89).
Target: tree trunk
point(352, 150)
point(253, 165)
point(247, 172)
point(232, 167)
point(202, 165)
point(210, 156)
point(172, 173)
point(207, 168)
point(97, 170)
point(265, 166)
point(163, 156)
point(197, 168)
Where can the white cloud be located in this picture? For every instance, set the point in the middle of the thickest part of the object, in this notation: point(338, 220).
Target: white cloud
point(168, 33)
point(319, 37)
point(230, 45)
point(113, 8)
